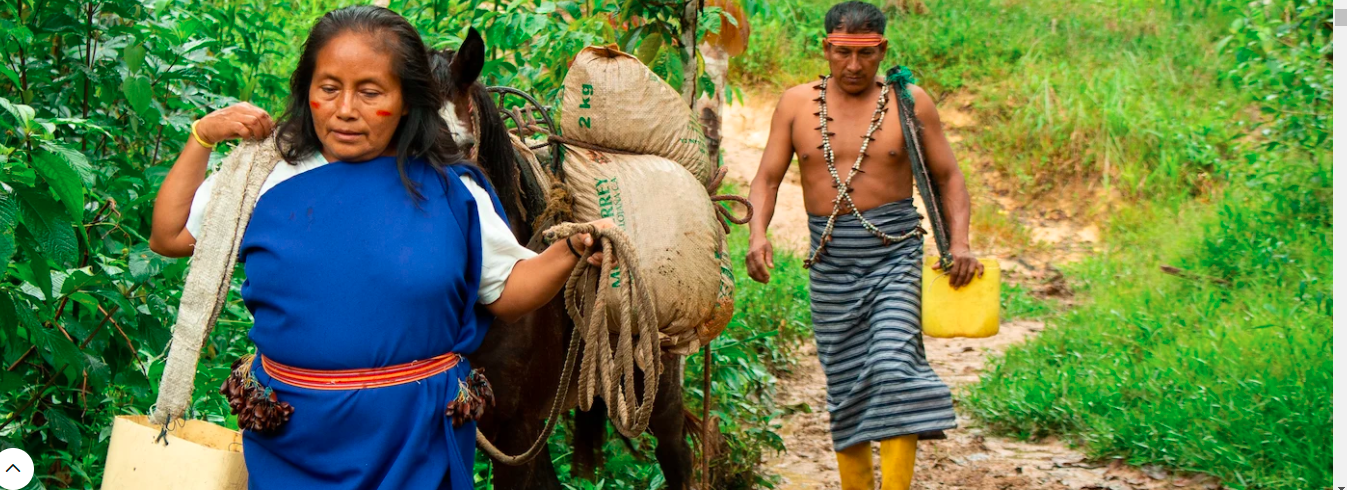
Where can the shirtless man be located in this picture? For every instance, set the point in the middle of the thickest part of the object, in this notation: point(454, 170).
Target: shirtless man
point(865, 281)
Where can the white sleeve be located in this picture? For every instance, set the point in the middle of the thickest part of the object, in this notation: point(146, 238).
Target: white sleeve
point(500, 251)
point(197, 216)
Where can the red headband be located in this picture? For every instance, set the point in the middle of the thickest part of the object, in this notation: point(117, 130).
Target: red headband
point(855, 40)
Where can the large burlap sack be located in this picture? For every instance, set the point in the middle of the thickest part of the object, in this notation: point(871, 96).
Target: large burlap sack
point(611, 100)
point(681, 245)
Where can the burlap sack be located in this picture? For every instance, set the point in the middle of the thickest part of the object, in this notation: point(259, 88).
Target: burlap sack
point(669, 217)
point(723, 309)
point(611, 100)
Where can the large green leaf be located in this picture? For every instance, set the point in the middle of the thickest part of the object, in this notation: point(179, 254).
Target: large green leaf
point(75, 280)
point(7, 249)
point(57, 350)
point(64, 181)
point(22, 113)
point(9, 318)
point(37, 278)
point(74, 158)
point(137, 90)
point(11, 382)
point(99, 373)
point(144, 263)
point(64, 429)
point(9, 209)
point(649, 48)
point(135, 57)
point(23, 313)
point(10, 74)
point(50, 227)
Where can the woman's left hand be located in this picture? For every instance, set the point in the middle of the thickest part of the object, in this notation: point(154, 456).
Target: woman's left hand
point(582, 241)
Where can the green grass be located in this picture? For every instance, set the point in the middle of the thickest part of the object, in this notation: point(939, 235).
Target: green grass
point(1018, 304)
point(1228, 375)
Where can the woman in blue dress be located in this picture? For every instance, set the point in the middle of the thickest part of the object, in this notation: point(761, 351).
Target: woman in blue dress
point(375, 260)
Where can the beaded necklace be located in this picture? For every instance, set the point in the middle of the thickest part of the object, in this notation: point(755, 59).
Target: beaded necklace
point(844, 188)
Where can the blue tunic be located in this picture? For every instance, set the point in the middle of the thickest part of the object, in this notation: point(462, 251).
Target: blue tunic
point(346, 270)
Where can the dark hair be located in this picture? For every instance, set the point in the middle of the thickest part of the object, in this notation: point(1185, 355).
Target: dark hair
point(855, 17)
point(420, 134)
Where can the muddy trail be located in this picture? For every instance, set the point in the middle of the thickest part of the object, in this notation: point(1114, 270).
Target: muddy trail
point(1041, 237)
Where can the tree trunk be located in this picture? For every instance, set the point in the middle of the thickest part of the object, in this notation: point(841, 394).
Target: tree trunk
point(688, 41)
point(708, 109)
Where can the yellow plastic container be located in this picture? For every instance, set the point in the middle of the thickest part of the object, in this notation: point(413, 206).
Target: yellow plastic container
point(971, 311)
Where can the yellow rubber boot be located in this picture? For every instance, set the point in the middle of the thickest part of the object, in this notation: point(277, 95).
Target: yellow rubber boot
point(857, 468)
point(897, 461)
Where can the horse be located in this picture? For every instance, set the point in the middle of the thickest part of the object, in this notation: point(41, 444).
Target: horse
point(523, 360)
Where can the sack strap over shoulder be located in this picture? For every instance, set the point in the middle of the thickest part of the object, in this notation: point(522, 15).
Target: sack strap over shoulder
point(237, 187)
point(900, 77)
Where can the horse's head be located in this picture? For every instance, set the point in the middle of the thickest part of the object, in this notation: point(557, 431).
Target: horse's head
point(457, 72)
point(478, 129)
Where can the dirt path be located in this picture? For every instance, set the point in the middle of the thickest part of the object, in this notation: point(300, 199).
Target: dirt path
point(1027, 243)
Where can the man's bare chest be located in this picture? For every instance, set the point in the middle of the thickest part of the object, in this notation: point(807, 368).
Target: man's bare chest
point(884, 155)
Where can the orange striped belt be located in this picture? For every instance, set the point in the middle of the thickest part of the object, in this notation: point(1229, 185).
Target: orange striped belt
point(355, 379)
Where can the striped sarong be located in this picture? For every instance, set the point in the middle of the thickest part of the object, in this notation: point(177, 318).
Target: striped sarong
point(865, 298)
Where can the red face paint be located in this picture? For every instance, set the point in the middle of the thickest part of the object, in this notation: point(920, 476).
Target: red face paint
point(383, 113)
point(314, 104)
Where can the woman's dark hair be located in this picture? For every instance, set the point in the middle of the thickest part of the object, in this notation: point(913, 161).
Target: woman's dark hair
point(422, 133)
point(854, 17)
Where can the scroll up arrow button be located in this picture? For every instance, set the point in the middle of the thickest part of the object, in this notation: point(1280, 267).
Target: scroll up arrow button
point(18, 469)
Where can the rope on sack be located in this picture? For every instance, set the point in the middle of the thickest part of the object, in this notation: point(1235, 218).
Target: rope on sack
point(613, 352)
point(560, 206)
point(552, 138)
point(722, 213)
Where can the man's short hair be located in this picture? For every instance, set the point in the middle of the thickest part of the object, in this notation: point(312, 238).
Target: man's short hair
point(854, 17)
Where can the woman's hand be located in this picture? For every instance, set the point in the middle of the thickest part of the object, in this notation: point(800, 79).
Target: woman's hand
point(582, 241)
point(168, 234)
point(535, 281)
point(241, 120)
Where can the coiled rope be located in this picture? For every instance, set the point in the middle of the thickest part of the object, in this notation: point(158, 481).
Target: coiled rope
point(616, 344)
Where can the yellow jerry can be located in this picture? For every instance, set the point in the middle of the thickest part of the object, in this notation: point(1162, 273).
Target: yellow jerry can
point(971, 311)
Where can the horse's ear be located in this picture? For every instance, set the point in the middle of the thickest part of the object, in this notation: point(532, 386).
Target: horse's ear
point(468, 61)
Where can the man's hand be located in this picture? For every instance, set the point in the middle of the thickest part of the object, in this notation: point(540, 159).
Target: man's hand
point(965, 266)
point(759, 259)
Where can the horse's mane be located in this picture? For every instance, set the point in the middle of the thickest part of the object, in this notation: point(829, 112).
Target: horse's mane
point(495, 154)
